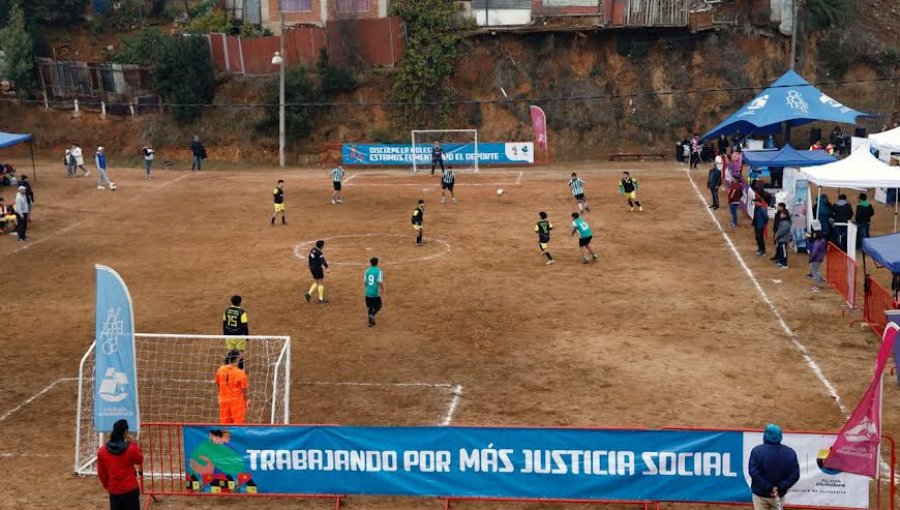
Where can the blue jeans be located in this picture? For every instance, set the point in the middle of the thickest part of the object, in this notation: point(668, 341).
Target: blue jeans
point(734, 211)
point(195, 162)
point(148, 166)
point(862, 232)
point(781, 253)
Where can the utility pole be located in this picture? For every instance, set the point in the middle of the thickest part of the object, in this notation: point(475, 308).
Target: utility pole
point(794, 22)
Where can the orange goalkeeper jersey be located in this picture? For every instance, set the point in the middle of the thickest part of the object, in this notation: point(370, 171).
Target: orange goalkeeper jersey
point(232, 383)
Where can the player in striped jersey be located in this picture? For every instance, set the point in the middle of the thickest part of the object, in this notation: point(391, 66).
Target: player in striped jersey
point(543, 228)
point(576, 185)
point(448, 180)
point(337, 175)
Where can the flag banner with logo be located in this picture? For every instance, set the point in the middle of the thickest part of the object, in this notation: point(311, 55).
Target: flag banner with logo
point(402, 154)
point(115, 373)
point(583, 464)
point(539, 123)
point(856, 449)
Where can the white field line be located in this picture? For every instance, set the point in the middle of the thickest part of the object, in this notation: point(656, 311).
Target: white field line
point(457, 392)
point(52, 235)
point(350, 178)
point(519, 178)
point(794, 339)
point(34, 397)
point(7, 455)
point(425, 184)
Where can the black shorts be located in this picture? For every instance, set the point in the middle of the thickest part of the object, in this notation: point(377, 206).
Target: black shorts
point(373, 302)
point(337, 185)
point(317, 273)
point(444, 185)
point(584, 241)
point(579, 196)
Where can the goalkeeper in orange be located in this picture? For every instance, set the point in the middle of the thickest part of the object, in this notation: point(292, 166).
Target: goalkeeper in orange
point(232, 384)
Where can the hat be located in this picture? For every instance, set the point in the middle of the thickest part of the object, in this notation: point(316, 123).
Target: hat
point(772, 434)
point(100, 149)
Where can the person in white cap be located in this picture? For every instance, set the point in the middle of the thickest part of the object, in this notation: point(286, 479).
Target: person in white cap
point(100, 160)
point(79, 159)
point(148, 160)
point(22, 210)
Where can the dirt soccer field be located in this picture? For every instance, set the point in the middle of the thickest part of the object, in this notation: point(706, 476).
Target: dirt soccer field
point(668, 328)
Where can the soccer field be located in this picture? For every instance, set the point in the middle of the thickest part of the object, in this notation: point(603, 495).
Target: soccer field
point(672, 326)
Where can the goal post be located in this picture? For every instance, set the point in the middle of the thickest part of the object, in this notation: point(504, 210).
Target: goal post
point(460, 148)
point(175, 379)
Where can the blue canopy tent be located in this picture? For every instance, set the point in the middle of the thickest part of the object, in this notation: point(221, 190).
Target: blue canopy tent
point(791, 100)
point(10, 139)
point(885, 250)
point(788, 156)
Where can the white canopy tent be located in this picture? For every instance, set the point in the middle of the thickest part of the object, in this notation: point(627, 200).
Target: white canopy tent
point(859, 170)
point(887, 140)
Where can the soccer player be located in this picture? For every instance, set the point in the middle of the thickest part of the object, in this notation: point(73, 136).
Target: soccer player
point(234, 323)
point(448, 180)
point(543, 229)
point(628, 186)
point(418, 216)
point(584, 237)
point(317, 266)
point(577, 187)
point(278, 199)
point(232, 384)
point(374, 282)
point(337, 175)
point(437, 156)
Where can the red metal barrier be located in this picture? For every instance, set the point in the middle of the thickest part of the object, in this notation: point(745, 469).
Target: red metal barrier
point(840, 272)
point(876, 301)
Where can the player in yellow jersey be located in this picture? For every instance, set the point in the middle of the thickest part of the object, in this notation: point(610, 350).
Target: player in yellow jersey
point(628, 186)
point(278, 199)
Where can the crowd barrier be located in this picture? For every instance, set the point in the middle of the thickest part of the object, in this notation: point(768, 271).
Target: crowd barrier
point(185, 460)
point(876, 301)
point(840, 273)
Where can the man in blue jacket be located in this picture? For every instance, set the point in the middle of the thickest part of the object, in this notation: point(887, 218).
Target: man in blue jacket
point(760, 220)
point(773, 469)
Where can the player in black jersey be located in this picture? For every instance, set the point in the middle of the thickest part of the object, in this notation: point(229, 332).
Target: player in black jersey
point(235, 324)
point(437, 156)
point(278, 199)
point(448, 180)
point(317, 266)
point(628, 186)
point(418, 215)
point(543, 228)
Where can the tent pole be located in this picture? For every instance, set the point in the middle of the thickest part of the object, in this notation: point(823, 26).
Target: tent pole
point(34, 172)
point(896, 191)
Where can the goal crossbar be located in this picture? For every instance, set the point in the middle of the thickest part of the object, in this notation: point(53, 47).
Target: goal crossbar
point(193, 359)
point(425, 156)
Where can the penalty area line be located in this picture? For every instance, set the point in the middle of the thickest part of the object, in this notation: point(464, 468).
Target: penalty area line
point(36, 396)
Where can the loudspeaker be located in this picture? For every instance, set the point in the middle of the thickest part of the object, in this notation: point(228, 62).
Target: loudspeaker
point(860, 132)
point(814, 135)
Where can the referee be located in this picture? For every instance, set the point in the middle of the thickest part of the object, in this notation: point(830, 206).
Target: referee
point(447, 182)
point(337, 175)
point(317, 266)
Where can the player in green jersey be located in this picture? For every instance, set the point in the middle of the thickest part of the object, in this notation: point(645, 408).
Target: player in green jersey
point(373, 279)
point(584, 237)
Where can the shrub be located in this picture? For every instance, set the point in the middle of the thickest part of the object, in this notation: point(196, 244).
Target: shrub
point(18, 49)
point(299, 114)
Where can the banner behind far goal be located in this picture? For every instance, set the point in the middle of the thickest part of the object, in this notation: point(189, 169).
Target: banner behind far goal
point(435, 149)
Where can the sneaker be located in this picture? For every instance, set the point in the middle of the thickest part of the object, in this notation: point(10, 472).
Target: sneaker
point(454, 200)
point(340, 201)
point(782, 267)
point(760, 254)
point(595, 256)
point(808, 275)
point(371, 321)
point(443, 200)
point(307, 296)
point(587, 260)
point(333, 202)
point(814, 289)
point(631, 209)
point(641, 208)
point(101, 187)
point(323, 301)
point(550, 262)
point(87, 173)
point(711, 207)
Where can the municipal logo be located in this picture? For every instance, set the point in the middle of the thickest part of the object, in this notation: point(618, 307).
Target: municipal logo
point(113, 387)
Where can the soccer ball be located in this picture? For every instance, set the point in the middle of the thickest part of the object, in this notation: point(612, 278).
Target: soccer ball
point(500, 192)
point(112, 186)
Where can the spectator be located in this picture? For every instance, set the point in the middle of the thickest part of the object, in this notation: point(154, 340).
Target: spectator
point(783, 236)
point(737, 163)
point(147, 151)
point(100, 161)
point(823, 214)
point(198, 154)
point(78, 156)
point(773, 469)
point(726, 162)
point(760, 220)
point(864, 214)
point(69, 163)
point(22, 210)
point(714, 182)
point(734, 201)
point(696, 147)
point(816, 257)
point(817, 146)
point(115, 468)
point(837, 137)
point(841, 213)
point(4, 227)
point(29, 193)
point(10, 222)
point(722, 144)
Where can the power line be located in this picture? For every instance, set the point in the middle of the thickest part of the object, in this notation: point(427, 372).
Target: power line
point(547, 99)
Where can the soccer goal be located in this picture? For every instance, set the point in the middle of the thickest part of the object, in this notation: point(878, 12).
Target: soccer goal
point(175, 380)
point(459, 146)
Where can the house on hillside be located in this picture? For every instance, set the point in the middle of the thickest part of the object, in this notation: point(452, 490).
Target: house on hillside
point(304, 12)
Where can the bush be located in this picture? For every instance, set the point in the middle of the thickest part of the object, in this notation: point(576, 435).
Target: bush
point(821, 14)
point(333, 79)
point(299, 114)
point(18, 50)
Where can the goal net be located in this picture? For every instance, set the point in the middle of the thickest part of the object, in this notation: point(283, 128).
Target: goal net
point(459, 148)
point(175, 380)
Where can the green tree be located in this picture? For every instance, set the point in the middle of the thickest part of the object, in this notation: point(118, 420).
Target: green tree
point(300, 92)
point(57, 12)
point(18, 49)
point(333, 79)
point(422, 83)
point(183, 75)
point(142, 49)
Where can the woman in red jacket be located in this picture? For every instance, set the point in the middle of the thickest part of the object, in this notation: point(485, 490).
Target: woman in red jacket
point(115, 468)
